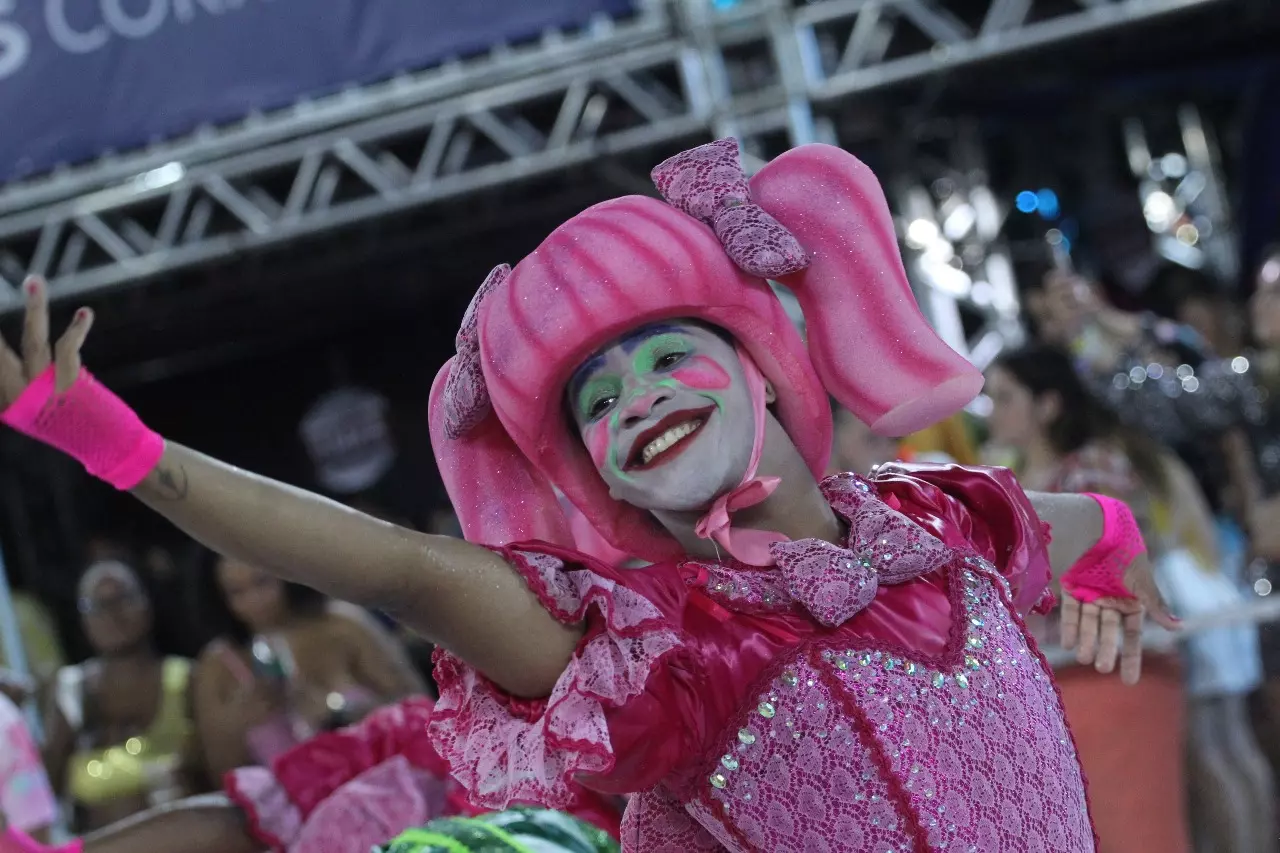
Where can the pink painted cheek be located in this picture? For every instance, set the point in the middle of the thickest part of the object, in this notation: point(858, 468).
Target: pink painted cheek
point(702, 373)
point(597, 441)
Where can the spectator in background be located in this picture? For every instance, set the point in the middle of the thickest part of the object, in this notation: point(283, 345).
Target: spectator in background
point(26, 798)
point(119, 727)
point(287, 665)
point(1130, 739)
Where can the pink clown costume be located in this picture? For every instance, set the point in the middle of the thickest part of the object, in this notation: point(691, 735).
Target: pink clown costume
point(881, 695)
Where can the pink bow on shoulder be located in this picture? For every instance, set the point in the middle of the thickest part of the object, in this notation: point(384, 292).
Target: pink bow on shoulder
point(835, 583)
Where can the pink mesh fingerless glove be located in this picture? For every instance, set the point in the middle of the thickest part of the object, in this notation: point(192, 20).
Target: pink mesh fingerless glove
point(91, 425)
point(1100, 572)
point(16, 841)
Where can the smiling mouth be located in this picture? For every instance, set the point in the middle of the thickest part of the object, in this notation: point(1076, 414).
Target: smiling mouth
point(664, 441)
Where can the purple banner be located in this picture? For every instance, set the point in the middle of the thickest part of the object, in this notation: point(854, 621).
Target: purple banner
point(81, 77)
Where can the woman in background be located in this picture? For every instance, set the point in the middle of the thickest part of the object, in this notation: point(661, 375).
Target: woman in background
point(1131, 739)
point(1069, 443)
point(288, 663)
point(119, 727)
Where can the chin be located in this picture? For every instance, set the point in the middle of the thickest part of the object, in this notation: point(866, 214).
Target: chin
point(685, 487)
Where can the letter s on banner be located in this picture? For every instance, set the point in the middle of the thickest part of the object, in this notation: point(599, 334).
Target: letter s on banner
point(15, 44)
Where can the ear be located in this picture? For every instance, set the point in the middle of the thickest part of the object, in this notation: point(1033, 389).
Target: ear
point(770, 395)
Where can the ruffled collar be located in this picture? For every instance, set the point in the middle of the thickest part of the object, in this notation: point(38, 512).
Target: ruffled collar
point(832, 582)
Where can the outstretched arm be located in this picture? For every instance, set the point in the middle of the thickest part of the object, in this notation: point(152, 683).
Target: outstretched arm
point(459, 595)
point(1105, 630)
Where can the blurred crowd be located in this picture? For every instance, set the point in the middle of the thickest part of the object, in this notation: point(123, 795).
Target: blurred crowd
point(197, 669)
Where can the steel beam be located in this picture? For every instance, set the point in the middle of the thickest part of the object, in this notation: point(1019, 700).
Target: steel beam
point(175, 217)
point(851, 46)
point(595, 43)
point(413, 143)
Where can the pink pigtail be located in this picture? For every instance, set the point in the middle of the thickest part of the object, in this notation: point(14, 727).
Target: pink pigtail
point(869, 343)
point(498, 495)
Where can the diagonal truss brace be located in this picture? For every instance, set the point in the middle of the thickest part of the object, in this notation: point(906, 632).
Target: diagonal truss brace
point(184, 213)
point(174, 217)
point(854, 46)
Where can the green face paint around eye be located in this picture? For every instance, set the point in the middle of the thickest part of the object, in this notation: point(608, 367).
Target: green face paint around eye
point(655, 349)
point(595, 392)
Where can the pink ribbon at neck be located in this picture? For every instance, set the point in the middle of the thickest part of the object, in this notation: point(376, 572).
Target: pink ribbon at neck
point(748, 546)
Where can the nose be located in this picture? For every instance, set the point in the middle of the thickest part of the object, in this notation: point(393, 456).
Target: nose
point(642, 404)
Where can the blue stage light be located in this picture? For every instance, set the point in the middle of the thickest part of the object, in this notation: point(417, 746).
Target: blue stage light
point(1047, 204)
point(1027, 201)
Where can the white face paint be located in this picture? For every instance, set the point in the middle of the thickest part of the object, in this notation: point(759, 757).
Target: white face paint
point(666, 415)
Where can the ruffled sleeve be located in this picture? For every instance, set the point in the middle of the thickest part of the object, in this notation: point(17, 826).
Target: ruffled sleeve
point(505, 750)
point(979, 509)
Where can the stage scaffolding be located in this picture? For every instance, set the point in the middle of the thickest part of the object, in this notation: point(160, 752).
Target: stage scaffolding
point(681, 70)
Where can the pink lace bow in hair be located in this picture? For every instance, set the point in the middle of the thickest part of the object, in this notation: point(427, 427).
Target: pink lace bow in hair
point(708, 183)
point(466, 397)
point(835, 583)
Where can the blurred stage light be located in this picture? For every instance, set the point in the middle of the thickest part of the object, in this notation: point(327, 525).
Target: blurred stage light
point(1047, 204)
point(945, 277)
point(959, 222)
point(1188, 234)
point(921, 233)
point(1160, 211)
point(1027, 201)
point(1174, 166)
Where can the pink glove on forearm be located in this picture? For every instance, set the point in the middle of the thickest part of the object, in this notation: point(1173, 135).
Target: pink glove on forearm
point(16, 841)
point(91, 425)
point(1100, 572)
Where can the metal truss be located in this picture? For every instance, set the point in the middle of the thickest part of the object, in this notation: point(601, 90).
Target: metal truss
point(598, 41)
point(753, 71)
point(951, 228)
point(177, 216)
point(1184, 196)
point(854, 46)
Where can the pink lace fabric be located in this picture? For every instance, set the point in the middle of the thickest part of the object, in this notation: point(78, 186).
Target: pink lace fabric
point(885, 546)
point(378, 804)
point(1100, 572)
point(656, 822)
point(502, 751)
point(708, 183)
point(91, 425)
point(868, 748)
point(466, 396)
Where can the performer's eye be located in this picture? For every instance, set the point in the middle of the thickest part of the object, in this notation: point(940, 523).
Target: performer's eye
point(599, 406)
point(598, 397)
point(669, 360)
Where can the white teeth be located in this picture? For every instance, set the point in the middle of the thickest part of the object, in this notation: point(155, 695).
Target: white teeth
point(667, 439)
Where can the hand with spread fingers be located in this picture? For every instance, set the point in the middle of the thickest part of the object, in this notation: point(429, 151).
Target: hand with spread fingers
point(1109, 629)
point(17, 371)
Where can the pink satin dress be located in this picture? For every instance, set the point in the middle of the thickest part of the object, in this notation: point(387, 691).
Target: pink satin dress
point(794, 708)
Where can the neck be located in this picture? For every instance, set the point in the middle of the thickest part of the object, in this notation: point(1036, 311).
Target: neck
point(1039, 459)
point(797, 510)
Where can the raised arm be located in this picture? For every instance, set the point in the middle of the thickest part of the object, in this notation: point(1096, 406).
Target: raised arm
point(459, 595)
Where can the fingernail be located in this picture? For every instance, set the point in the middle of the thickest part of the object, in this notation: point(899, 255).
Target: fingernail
point(82, 315)
point(32, 286)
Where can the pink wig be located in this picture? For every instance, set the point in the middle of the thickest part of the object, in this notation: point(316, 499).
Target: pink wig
point(499, 430)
